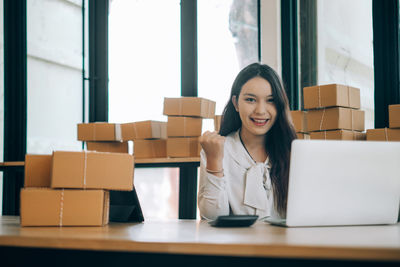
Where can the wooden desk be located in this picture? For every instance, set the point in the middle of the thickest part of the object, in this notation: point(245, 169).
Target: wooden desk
point(196, 239)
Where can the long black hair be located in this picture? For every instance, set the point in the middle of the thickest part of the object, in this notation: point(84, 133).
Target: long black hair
point(278, 139)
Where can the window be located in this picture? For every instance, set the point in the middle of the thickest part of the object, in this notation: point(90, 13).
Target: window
point(54, 75)
point(1, 101)
point(227, 42)
point(144, 67)
point(345, 48)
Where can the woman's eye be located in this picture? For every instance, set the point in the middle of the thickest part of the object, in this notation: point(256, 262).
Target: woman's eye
point(250, 100)
point(270, 100)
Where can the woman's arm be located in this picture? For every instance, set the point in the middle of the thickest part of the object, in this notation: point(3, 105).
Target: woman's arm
point(212, 197)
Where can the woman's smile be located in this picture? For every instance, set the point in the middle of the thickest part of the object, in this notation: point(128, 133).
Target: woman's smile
point(259, 122)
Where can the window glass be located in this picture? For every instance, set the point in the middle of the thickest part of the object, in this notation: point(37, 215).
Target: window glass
point(144, 58)
point(54, 75)
point(1, 101)
point(345, 48)
point(227, 42)
point(144, 67)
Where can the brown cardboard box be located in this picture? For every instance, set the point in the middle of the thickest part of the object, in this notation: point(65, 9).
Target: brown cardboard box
point(217, 122)
point(189, 106)
point(104, 146)
point(385, 134)
point(37, 170)
point(154, 148)
point(128, 131)
point(184, 126)
point(303, 136)
point(150, 130)
point(331, 95)
point(183, 147)
point(338, 135)
point(299, 120)
point(394, 116)
point(92, 170)
point(50, 207)
point(99, 131)
point(335, 118)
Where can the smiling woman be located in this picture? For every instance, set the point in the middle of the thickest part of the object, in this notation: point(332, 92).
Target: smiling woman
point(244, 168)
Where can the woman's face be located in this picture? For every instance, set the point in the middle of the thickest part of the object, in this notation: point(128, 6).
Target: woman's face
point(256, 107)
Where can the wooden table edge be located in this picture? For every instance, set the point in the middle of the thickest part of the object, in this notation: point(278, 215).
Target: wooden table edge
point(208, 249)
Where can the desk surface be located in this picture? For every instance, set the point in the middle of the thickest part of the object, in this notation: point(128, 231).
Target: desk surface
point(12, 163)
point(198, 238)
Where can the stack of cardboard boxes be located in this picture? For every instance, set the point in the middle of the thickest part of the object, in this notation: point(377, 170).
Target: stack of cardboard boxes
point(333, 112)
point(387, 134)
point(184, 126)
point(149, 137)
point(72, 188)
point(106, 137)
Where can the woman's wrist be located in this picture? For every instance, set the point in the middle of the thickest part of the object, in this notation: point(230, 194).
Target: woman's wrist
point(215, 167)
point(215, 171)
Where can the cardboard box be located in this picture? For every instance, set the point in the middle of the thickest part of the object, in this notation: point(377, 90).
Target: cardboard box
point(305, 136)
point(71, 207)
point(154, 148)
point(335, 119)
point(189, 106)
point(184, 126)
point(127, 131)
point(104, 146)
point(37, 170)
point(217, 122)
point(92, 170)
point(299, 118)
point(150, 130)
point(331, 95)
point(384, 134)
point(394, 116)
point(182, 147)
point(99, 131)
point(338, 135)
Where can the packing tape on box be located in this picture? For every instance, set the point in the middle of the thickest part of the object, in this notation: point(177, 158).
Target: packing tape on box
point(348, 96)
point(180, 106)
point(386, 135)
point(319, 96)
point(352, 121)
point(325, 135)
point(153, 149)
point(184, 126)
point(322, 120)
point(135, 130)
point(118, 132)
point(61, 208)
point(84, 169)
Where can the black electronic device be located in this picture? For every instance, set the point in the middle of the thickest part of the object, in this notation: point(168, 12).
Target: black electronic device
point(234, 221)
point(125, 207)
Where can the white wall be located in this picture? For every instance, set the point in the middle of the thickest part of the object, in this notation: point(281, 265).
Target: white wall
point(54, 47)
point(271, 34)
point(345, 48)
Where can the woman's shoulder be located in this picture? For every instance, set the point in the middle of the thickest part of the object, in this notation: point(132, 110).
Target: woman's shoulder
point(232, 138)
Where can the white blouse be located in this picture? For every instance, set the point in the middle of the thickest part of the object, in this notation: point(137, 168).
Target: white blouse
point(245, 187)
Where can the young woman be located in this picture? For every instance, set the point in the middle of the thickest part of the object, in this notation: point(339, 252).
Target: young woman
point(244, 168)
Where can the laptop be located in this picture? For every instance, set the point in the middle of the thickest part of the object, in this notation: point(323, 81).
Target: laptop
point(342, 183)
